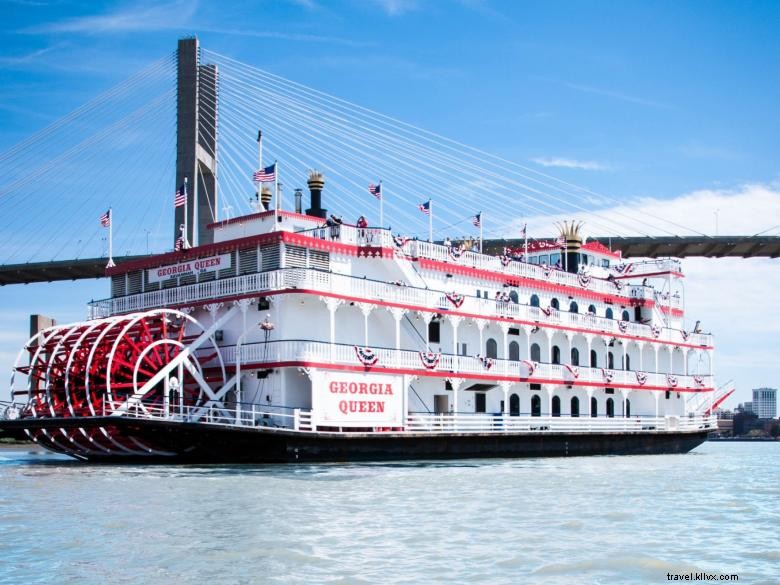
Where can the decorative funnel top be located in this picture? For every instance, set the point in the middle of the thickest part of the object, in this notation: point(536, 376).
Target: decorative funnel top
point(316, 180)
point(570, 231)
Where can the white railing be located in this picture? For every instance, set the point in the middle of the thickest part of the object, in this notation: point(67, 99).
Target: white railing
point(420, 249)
point(645, 267)
point(448, 364)
point(299, 278)
point(487, 423)
point(255, 416)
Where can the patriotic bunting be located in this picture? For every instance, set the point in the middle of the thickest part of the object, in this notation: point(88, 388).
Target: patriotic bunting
point(698, 380)
point(583, 279)
point(400, 241)
point(623, 326)
point(430, 359)
point(455, 298)
point(608, 375)
point(366, 355)
point(641, 377)
point(456, 251)
point(573, 370)
point(486, 362)
point(655, 330)
point(671, 380)
point(531, 367)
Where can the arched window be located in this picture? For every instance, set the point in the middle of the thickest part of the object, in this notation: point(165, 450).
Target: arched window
point(575, 356)
point(628, 362)
point(536, 352)
point(594, 359)
point(536, 405)
point(610, 407)
point(628, 408)
point(594, 407)
point(575, 406)
point(556, 406)
point(514, 405)
point(534, 301)
point(626, 316)
point(573, 307)
point(556, 354)
point(555, 304)
point(610, 361)
point(592, 309)
point(491, 348)
point(514, 351)
point(513, 297)
point(609, 314)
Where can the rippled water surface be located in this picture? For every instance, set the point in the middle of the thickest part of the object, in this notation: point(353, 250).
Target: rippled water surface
point(578, 520)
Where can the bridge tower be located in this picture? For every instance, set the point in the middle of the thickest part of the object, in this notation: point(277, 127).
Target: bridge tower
point(196, 141)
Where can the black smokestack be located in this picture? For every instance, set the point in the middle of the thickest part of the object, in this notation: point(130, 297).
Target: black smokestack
point(316, 184)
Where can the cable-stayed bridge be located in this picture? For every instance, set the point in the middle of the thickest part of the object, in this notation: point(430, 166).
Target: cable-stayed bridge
point(195, 113)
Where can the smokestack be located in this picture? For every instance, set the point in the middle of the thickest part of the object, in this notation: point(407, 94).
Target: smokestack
point(571, 233)
point(298, 201)
point(265, 197)
point(316, 183)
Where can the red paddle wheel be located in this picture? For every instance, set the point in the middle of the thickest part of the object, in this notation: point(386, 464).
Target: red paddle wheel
point(104, 366)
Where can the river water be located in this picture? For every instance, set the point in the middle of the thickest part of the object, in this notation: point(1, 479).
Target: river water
point(577, 520)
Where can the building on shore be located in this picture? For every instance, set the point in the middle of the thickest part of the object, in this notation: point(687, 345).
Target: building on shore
point(765, 402)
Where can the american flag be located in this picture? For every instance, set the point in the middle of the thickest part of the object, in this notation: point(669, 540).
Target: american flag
point(524, 231)
point(180, 197)
point(179, 244)
point(105, 219)
point(425, 207)
point(266, 175)
point(375, 190)
point(477, 220)
point(561, 241)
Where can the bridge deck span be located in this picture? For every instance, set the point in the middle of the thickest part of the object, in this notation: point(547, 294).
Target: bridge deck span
point(636, 247)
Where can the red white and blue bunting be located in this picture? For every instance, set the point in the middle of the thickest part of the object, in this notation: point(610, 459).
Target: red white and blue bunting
point(531, 367)
point(505, 260)
point(671, 380)
point(623, 269)
point(430, 359)
point(456, 299)
point(486, 362)
point(456, 251)
point(618, 284)
point(641, 377)
point(366, 355)
point(400, 241)
point(548, 311)
point(685, 335)
point(655, 330)
point(546, 270)
point(573, 370)
point(623, 326)
point(583, 279)
point(698, 380)
point(608, 375)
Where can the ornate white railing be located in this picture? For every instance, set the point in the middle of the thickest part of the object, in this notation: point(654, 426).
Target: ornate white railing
point(256, 416)
point(452, 365)
point(298, 278)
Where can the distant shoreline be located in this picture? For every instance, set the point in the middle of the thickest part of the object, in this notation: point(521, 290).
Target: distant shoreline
point(744, 439)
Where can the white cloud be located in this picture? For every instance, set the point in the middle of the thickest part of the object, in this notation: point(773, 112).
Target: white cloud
point(139, 18)
point(396, 7)
point(570, 163)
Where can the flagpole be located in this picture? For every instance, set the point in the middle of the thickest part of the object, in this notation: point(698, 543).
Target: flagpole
point(430, 221)
point(481, 222)
point(276, 192)
point(110, 238)
point(381, 205)
point(525, 245)
point(260, 167)
point(185, 240)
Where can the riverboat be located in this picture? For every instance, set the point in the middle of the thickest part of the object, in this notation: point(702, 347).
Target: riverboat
point(297, 337)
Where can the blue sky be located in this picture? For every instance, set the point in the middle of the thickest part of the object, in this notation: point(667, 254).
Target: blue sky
point(671, 104)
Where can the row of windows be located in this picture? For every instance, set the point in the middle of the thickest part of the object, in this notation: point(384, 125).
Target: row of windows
point(536, 406)
point(491, 350)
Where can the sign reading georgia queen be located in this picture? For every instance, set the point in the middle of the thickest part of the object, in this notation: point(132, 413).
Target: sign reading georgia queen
point(348, 399)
